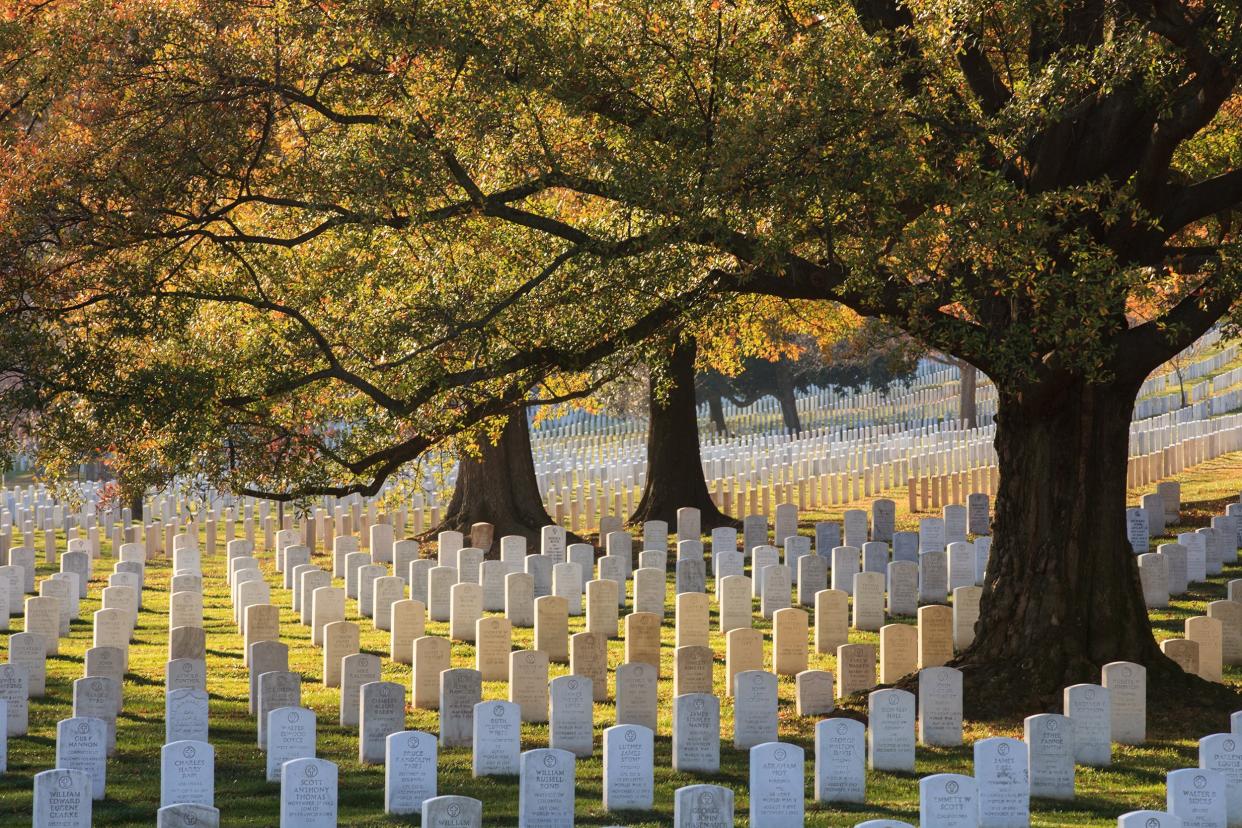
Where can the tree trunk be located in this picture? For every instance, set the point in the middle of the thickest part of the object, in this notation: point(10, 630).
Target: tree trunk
point(674, 466)
point(785, 395)
point(499, 487)
point(968, 410)
point(1062, 596)
point(135, 506)
point(715, 405)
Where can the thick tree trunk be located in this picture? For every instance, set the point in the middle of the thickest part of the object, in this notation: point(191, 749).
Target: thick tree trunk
point(499, 487)
point(1062, 596)
point(674, 466)
point(785, 395)
point(968, 410)
point(135, 506)
point(715, 406)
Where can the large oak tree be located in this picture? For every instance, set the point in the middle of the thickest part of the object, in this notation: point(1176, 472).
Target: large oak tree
point(1014, 183)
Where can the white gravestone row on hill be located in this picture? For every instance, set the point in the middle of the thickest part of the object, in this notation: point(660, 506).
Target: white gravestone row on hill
point(1007, 771)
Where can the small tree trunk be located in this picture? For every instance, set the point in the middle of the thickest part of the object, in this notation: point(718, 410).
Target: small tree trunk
point(968, 410)
point(785, 395)
point(674, 466)
point(499, 487)
point(715, 405)
point(1062, 596)
point(135, 505)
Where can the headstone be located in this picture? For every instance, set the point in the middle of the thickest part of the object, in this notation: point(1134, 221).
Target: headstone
point(185, 815)
point(410, 771)
point(191, 674)
point(868, 601)
point(840, 761)
point(493, 643)
point(899, 655)
point(82, 744)
point(186, 716)
point(1198, 797)
point(1153, 573)
point(855, 668)
point(588, 658)
point(1049, 740)
point(520, 599)
point(629, 765)
point(1208, 633)
point(1126, 684)
point(935, 636)
point(308, 794)
point(890, 732)
point(452, 812)
point(290, 735)
point(978, 521)
point(357, 669)
point(528, 684)
point(1002, 774)
point(754, 709)
point(948, 800)
point(845, 566)
point(340, 639)
point(98, 697)
point(1148, 819)
point(1184, 653)
point(933, 576)
point(571, 714)
point(734, 599)
point(812, 578)
point(637, 695)
point(940, 706)
point(546, 789)
point(62, 799)
point(831, 620)
point(276, 690)
point(1222, 752)
point(460, 690)
point(1176, 565)
point(777, 786)
point(497, 739)
point(703, 806)
point(789, 641)
point(382, 706)
point(187, 773)
point(431, 657)
point(696, 733)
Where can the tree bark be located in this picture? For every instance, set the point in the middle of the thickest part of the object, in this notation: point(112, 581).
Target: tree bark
point(499, 487)
point(785, 395)
point(968, 410)
point(1062, 595)
point(674, 465)
point(715, 406)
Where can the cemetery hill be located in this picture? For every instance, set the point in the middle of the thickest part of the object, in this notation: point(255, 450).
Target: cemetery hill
point(659, 413)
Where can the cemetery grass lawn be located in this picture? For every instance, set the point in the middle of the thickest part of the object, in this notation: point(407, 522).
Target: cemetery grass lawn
point(1135, 780)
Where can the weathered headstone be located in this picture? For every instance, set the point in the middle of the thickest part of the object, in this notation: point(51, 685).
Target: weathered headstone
point(187, 773)
point(410, 771)
point(629, 765)
point(460, 690)
point(546, 789)
point(1049, 740)
point(840, 761)
point(890, 732)
point(290, 735)
point(308, 794)
point(777, 786)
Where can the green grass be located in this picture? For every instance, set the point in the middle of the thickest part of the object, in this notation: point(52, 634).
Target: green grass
point(1136, 779)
